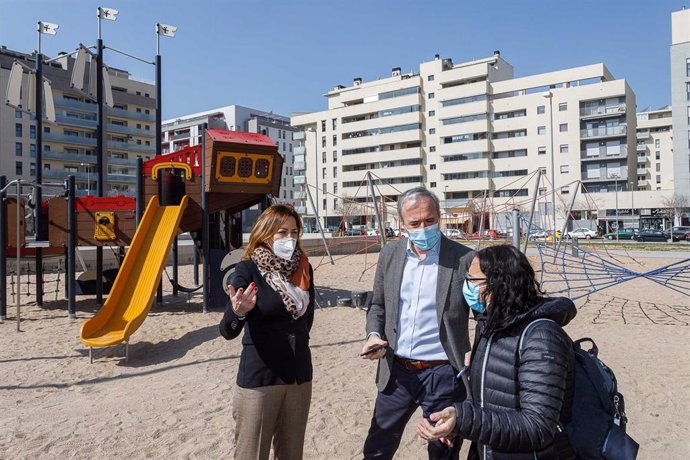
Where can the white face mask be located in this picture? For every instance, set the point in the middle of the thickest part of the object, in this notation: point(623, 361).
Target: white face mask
point(284, 247)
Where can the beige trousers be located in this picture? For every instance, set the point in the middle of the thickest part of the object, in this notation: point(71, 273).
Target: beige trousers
point(276, 413)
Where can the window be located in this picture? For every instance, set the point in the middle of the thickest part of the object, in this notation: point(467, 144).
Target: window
point(564, 148)
point(18, 168)
point(541, 109)
point(565, 169)
point(687, 67)
point(431, 77)
point(335, 141)
point(541, 130)
point(335, 203)
point(17, 113)
point(335, 187)
point(323, 125)
point(335, 172)
point(323, 188)
point(323, 173)
point(18, 149)
point(563, 127)
point(541, 150)
point(323, 141)
point(32, 150)
point(565, 190)
point(32, 169)
point(46, 129)
point(542, 191)
point(32, 132)
point(432, 131)
point(657, 142)
point(18, 129)
point(432, 167)
point(432, 185)
point(658, 155)
point(658, 167)
point(323, 157)
point(432, 113)
point(284, 144)
point(432, 95)
point(334, 123)
point(46, 166)
point(432, 148)
point(658, 179)
point(563, 106)
point(324, 204)
point(335, 155)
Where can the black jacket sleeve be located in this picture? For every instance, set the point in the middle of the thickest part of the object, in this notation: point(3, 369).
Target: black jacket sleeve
point(376, 315)
point(542, 374)
point(231, 325)
point(312, 300)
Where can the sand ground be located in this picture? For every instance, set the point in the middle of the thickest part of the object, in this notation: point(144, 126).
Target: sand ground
point(172, 399)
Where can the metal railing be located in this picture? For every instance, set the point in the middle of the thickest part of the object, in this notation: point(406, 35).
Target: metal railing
point(602, 110)
point(604, 131)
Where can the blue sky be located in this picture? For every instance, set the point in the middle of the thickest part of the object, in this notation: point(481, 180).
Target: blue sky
point(283, 55)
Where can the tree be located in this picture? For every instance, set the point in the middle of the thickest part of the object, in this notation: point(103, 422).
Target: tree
point(348, 208)
point(676, 206)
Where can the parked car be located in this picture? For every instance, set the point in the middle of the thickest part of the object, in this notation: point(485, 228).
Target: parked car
point(452, 233)
point(538, 234)
point(678, 233)
point(650, 235)
point(581, 233)
point(355, 231)
point(623, 234)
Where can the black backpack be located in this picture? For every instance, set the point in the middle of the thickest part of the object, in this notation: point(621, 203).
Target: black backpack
point(596, 428)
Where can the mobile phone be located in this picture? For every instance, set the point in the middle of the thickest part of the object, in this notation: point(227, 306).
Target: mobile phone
point(373, 350)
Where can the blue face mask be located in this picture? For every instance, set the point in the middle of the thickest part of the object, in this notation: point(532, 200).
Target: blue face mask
point(425, 238)
point(471, 293)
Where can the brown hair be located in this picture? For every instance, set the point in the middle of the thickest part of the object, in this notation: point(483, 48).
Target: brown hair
point(268, 224)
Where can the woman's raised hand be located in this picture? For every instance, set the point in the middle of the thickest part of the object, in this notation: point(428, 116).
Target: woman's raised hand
point(243, 300)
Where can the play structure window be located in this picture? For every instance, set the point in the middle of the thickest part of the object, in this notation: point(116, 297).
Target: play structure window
point(261, 168)
point(227, 166)
point(244, 168)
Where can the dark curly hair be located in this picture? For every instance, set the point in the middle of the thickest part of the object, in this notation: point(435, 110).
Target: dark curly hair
point(511, 283)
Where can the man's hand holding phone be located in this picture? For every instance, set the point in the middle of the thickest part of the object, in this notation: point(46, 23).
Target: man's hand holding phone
point(375, 348)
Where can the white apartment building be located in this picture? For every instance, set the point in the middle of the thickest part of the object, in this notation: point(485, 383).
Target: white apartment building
point(680, 100)
point(467, 129)
point(655, 149)
point(69, 145)
point(186, 130)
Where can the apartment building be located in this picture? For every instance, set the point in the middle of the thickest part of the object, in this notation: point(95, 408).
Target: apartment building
point(69, 145)
point(187, 130)
point(680, 100)
point(467, 129)
point(655, 149)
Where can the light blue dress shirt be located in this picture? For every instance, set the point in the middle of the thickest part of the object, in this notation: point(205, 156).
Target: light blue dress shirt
point(418, 335)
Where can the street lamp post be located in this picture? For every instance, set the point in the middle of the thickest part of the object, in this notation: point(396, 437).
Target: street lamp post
point(88, 177)
point(615, 179)
point(549, 96)
point(632, 202)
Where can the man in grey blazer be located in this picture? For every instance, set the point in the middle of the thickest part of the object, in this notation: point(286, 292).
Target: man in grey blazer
point(417, 326)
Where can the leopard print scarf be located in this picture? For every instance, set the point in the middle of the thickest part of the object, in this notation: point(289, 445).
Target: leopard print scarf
point(277, 273)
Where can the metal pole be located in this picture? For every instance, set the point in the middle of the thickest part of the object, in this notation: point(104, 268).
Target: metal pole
point(516, 228)
point(318, 223)
point(567, 217)
point(531, 211)
point(100, 156)
point(553, 167)
point(71, 246)
point(175, 253)
point(17, 286)
point(382, 233)
point(140, 190)
point(204, 224)
point(481, 222)
point(316, 172)
point(617, 224)
point(196, 264)
point(3, 252)
point(39, 173)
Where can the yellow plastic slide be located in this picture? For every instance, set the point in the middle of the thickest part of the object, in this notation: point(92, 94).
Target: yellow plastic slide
point(132, 293)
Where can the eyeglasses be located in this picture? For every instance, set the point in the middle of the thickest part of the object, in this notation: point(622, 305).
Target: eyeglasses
point(473, 279)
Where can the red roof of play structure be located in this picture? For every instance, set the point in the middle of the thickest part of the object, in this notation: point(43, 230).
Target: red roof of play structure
point(240, 137)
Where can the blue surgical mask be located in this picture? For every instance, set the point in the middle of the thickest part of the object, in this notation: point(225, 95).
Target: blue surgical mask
point(471, 293)
point(425, 238)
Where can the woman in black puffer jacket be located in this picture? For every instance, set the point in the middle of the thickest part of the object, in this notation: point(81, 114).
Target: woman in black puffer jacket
point(520, 396)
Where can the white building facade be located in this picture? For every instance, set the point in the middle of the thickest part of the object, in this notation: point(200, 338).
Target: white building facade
point(466, 130)
point(680, 100)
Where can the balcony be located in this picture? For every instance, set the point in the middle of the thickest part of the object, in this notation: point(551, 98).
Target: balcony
point(299, 165)
point(122, 161)
point(71, 103)
point(131, 146)
point(78, 140)
point(74, 121)
point(130, 114)
point(603, 153)
point(642, 182)
point(643, 135)
point(298, 136)
point(114, 177)
point(602, 111)
point(591, 133)
point(299, 180)
point(641, 147)
point(642, 158)
point(641, 171)
point(301, 210)
point(73, 157)
point(113, 128)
